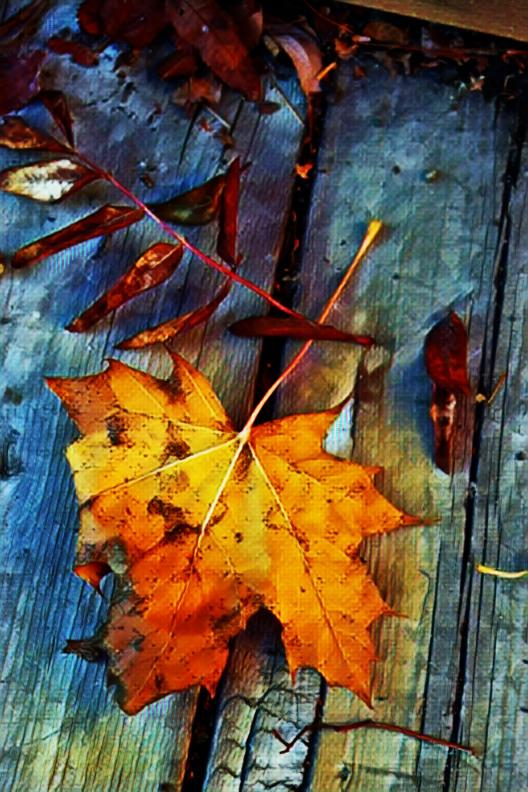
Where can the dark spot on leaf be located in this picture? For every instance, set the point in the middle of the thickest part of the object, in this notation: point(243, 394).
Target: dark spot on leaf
point(116, 429)
point(239, 536)
point(159, 682)
point(177, 448)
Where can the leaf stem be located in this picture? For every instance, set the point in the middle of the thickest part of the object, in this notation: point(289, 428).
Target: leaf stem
point(211, 262)
point(372, 232)
point(370, 724)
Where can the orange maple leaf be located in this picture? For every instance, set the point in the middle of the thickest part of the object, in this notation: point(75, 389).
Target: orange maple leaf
point(203, 525)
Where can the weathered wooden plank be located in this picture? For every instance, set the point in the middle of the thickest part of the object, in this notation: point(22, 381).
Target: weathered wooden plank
point(508, 18)
point(430, 168)
point(495, 687)
point(62, 729)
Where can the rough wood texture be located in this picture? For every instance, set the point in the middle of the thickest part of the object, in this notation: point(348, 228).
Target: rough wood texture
point(508, 18)
point(446, 176)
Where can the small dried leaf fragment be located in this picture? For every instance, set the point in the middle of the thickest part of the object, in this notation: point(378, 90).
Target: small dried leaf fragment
point(213, 32)
point(166, 331)
point(445, 351)
point(304, 52)
point(204, 525)
point(152, 268)
point(80, 53)
point(291, 327)
point(195, 207)
point(46, 181)
point(102, 222)
point(15, 133)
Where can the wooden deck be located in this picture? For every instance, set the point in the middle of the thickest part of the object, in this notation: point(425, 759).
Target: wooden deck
point(456, 665)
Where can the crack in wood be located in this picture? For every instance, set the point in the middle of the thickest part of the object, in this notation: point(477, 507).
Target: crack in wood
point(486, 378)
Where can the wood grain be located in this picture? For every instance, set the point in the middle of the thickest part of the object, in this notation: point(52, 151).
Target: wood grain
point(508, 18)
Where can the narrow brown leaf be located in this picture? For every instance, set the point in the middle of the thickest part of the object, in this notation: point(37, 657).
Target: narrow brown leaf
point(47, 181)
point(194, 207)
point(16, 134)
point(304, 52)
point(19, 80)
point(228, 225)
point(153, 267)
point(207, 26)
point(57, 106)
point(100, 223)
point(291, 327)
point(168, 330)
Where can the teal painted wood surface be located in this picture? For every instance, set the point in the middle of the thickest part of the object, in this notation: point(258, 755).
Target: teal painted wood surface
point(456, 665)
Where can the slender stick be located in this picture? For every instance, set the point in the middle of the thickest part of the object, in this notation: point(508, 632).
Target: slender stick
point(500, 573)
point(373, 230)
point(371, 724)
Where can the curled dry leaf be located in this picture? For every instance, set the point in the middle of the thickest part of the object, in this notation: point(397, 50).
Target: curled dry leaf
point(204, 525)
point(166, 331)
point(292, 327)
point(57, 106)
point(152, 268)
point(209, 28)
point(19, 79)
point(446, 363)
point(303, 50)
point(100, 223)
point(194, 207)
point(46, 181)
point(16, 134)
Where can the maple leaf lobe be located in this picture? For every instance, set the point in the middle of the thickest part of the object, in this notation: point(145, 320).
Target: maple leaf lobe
point(204, 526)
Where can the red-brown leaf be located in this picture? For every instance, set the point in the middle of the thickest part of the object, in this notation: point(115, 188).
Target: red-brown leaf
point(205, 88)
point(47, 181)
point(134, 21)
point(194, 207)
point(291, 327)
point(19, 80)
point(179, 64)
point(169, 330)
point(228, 223)
point(153, 267)
point(79, 52)
point(16, 134)
point(446, 347)
point(250, 21)
point(207, 26)
point(100, 223)
point(446, 363)
point(57, 106)
point(304, 52)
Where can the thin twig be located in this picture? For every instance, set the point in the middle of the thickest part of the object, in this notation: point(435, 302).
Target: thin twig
point(500, 573)
point(371, 724)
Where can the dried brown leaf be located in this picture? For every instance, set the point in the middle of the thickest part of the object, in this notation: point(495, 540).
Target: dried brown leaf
point(153, 267)
point(100, 223)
